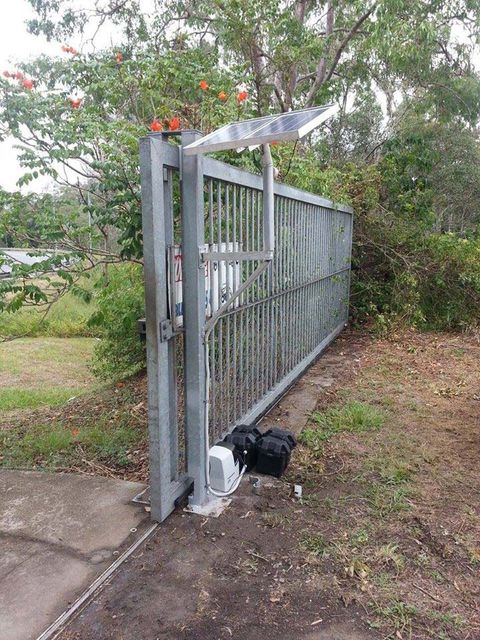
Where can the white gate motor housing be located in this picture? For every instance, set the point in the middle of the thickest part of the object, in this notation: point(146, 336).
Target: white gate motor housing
point(225, 467)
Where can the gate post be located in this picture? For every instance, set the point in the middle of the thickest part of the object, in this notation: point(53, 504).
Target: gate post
point(156, 310)
point(193, 274)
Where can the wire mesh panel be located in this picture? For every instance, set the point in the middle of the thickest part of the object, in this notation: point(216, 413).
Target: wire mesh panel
point(277, 326)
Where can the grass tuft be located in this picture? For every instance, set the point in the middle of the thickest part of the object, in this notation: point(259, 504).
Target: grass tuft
point(352, 417)
point(313, 543)
point(14, 398)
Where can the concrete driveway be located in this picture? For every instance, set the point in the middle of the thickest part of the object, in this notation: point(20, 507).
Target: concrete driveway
point(58, 532)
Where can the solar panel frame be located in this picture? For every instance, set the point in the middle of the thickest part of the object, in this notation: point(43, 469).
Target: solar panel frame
point(299, 127)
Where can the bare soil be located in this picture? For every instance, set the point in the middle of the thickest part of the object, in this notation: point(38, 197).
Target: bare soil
point(385, 542)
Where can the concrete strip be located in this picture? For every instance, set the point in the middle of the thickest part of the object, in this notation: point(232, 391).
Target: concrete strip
point(58, 532)
point(294, 409)
point(83, 513)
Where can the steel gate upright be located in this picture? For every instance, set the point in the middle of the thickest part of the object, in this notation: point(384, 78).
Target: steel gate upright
point(233, 370)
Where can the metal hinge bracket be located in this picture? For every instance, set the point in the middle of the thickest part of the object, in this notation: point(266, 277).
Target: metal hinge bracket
point(166, 330)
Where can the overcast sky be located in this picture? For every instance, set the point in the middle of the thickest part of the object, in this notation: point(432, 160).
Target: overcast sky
point(17, 44)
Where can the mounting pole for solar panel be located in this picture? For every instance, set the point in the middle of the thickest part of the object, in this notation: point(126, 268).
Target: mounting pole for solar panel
point(268, 203)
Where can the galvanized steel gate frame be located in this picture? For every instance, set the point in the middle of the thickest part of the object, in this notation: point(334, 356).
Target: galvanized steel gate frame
point(287, 328)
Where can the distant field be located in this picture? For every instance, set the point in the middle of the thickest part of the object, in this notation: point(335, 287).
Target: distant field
point(43, 371)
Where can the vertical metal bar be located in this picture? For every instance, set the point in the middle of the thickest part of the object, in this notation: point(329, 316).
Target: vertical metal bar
point(234, 320)
point(242, 313)
point(194, 319)
point(213, 347)
point(219, 387)
point(156, 308)
point(172, 344)
point(228, 365)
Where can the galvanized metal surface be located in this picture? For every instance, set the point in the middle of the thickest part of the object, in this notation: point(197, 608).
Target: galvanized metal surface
point(166, 483)
point(284, 320)
point(263, 340)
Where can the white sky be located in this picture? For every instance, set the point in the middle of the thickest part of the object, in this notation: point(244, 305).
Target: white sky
point(17, 44)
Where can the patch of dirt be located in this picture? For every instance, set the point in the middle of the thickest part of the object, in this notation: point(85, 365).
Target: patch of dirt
point(385, 542)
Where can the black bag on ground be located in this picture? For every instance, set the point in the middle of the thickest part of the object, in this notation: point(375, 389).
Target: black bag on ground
point(273, 451)
point(245, 438)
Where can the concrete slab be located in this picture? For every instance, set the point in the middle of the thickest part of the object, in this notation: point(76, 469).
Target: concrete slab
point(58, 532)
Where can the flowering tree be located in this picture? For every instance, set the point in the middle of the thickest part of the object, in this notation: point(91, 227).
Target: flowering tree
point(77, 119)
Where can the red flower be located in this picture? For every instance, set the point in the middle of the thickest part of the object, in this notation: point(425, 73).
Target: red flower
point(222, 96)
point(203, 84)
point(19, 75)
point(243, 95)
point(119, 56)
point(155, 125)
point(174, 123)
point(27, 84)
point(68, 49)
point(7, 74)
point(75, 102)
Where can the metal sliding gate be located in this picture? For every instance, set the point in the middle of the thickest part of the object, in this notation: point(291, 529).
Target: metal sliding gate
point(232, 369)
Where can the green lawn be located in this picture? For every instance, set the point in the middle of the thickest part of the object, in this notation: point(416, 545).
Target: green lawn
point(38, 372)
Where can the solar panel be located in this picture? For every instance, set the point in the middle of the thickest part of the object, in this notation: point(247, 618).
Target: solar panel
point(286, 126)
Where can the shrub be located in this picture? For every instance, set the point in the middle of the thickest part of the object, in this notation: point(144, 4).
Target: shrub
point(120, 302)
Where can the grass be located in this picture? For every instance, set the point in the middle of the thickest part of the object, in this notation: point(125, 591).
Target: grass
point(386, 500)
point(313, 543)
point(352, 417)
point(36, 372)
point(66, 319)
point(14, 398)
point(52, 445)
point(399, 613)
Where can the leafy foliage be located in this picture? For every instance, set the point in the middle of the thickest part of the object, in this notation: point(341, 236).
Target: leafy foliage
point(120, 303)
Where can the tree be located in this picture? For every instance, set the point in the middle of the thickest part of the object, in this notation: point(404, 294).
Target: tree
point(77, 118)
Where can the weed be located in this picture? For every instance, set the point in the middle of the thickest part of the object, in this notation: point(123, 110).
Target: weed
point(389, 556)
point(53, 444)
point(438, 577)
point(353, 417)
point(396, 473)
point(359, 537)
point(275, 520)
point(447, 618)
point(385, 501)
point(313, 543)
point(399, 613)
